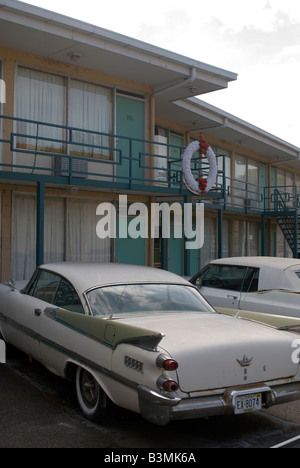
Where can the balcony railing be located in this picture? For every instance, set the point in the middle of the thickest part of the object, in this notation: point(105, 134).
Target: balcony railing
point(282, 198)
point(243, 196)
point(33, 150)
point(60, 154)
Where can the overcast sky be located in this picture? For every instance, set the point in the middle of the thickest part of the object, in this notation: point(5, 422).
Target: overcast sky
point(258, 40)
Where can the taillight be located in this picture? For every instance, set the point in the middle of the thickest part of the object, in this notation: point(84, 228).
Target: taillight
point(164, 362)
point(170, 386)
point(167, 384)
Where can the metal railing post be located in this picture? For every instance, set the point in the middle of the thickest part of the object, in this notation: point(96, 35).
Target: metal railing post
point(40, 216)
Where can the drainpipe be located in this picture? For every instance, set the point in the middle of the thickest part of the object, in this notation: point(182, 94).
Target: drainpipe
point(186, 81)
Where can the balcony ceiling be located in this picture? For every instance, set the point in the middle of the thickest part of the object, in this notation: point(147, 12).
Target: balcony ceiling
point(54, 36)
point(198, 115)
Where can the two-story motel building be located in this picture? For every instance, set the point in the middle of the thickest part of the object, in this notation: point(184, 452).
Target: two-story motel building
point(88, 115)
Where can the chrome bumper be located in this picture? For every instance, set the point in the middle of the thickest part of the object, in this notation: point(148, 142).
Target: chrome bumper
point(162, 409)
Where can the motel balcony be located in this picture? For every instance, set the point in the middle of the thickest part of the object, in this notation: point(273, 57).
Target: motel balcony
point(43, 153)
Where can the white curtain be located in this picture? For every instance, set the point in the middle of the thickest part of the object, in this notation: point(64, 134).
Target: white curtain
point(240, 179)
point(90, 109)
point(54, 229)
point(23, 237)
point(82, 244)
point(70, 233)
point(209, 250)
point(40, 96)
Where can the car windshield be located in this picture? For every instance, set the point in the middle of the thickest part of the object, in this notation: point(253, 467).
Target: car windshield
point(139, 299)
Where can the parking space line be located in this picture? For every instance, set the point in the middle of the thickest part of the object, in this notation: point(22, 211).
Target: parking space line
point(288, 443)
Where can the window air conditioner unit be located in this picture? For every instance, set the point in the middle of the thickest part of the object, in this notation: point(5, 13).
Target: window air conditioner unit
point(79, 168)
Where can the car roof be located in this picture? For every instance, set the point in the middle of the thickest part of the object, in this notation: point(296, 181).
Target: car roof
point(85, 276)
point(275, 272)
point(274, 262)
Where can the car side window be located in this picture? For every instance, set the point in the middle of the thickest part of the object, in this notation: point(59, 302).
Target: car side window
point(54, 289)
point(250, 283)
point(223, 277)
point(67, 298)
point(45, 286)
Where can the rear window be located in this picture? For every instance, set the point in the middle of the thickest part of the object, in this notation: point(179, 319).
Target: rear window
point(145, 299)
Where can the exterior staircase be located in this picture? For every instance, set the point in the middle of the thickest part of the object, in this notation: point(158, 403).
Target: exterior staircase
point(289, 222)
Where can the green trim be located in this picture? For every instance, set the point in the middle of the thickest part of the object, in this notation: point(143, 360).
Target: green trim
point(109, 332)
point(66, 351)
point(275, 321)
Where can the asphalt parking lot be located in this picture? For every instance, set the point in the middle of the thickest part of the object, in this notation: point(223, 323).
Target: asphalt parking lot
point(39, 410)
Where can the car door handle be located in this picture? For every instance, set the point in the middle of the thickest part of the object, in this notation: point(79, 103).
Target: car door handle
point(37, 312)
point(232, 297)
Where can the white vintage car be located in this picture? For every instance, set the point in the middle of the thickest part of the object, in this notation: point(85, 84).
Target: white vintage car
point(267, 285)
point(146, 340)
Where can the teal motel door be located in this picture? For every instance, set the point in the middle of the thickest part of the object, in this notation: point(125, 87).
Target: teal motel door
point(130, 123)
point(129, 250)
point(130, 128)
point(175, 245)
point(175, 255)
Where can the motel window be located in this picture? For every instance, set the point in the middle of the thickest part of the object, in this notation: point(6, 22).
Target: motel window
point(40, 97)
point(289, 182)
point(240, 179)
point(70, 233)
point(280, 247)
point(285, 182)
point(246, 238)
point(54, 102)
point(168, 150)
point(91, 109)
point(224, 166)
point(280, 178)
point(209, 250)
point(247, 191)
point(252, 177)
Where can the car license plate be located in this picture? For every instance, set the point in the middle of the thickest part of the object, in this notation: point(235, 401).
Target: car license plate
point(247, 403)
